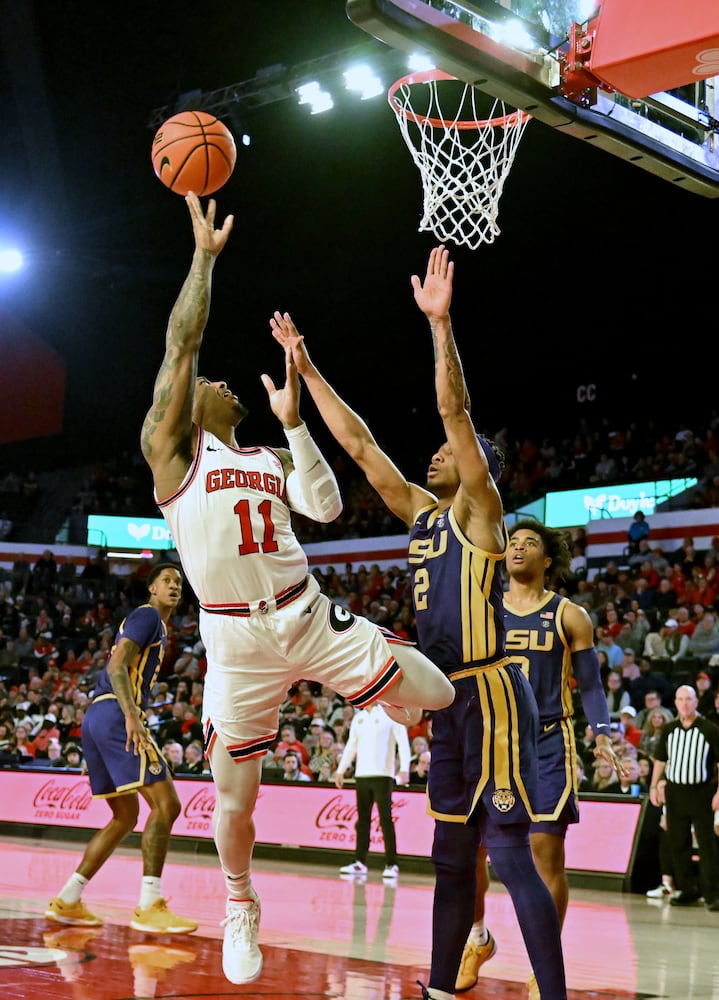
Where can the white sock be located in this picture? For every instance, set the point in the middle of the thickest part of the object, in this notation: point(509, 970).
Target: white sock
point(478, 935)
point(150, 891)
point(72, 890)
point(239, 887)
point(440, 995)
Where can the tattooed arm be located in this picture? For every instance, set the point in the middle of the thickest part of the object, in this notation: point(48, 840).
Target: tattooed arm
point(477, 505)
point(167, 429)
point(118, 667)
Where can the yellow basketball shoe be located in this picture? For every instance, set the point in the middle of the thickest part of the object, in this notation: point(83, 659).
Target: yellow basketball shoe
point(159, 919)
point(473, 958)
point(75, 914)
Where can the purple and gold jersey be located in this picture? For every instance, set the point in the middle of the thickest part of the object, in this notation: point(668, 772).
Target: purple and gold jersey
point(112, 769)
point(145, 627)
point(457, 591)
point(484, 743)
point(535, 639)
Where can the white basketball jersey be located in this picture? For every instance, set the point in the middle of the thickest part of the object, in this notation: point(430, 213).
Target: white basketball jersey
point(231, 525)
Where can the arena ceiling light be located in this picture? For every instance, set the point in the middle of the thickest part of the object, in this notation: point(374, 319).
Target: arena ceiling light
point(10, 260)
point(318, 99)
point(364, 80)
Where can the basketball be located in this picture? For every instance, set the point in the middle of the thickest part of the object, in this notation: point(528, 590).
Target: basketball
point(193, 151)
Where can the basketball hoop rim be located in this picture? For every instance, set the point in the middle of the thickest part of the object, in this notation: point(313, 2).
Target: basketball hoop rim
point(432, 76)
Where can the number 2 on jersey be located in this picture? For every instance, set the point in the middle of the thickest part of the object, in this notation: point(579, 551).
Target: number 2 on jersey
point(421, 589)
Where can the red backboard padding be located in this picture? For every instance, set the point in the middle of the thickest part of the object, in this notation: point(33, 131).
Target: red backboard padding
point(32, 384)
point(642, 47)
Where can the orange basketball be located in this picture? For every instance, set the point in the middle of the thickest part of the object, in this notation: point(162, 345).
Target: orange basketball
point(193, 151)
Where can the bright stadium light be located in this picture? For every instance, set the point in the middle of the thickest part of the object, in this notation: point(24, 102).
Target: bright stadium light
point(319, 100)
point(10, 260)
point(515, 34)
point(418, 62)
point(365, 81)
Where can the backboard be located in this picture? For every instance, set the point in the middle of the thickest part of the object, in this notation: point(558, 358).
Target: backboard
point(537, 56)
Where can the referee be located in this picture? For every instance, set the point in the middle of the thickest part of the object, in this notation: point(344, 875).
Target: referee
point(685, 780)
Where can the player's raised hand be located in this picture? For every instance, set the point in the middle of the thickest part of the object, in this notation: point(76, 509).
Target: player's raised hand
point(434, 295)
point(285, 401)
point(203, 225)
point(285, 333)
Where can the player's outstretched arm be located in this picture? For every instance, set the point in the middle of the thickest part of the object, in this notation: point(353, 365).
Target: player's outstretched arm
point(478, 505)
point(349, 429)
point(166, 431)
point(434, 297)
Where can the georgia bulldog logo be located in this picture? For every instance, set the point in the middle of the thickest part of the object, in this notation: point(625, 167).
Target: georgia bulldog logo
point(340, 619)
point(503, 799)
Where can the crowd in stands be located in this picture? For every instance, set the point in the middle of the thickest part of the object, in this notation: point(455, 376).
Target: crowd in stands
point(594, 454)
point(655, 614)
point(654, 630)
point(56, 632)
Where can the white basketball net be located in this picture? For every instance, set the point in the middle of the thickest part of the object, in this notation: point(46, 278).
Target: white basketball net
point(463, 161)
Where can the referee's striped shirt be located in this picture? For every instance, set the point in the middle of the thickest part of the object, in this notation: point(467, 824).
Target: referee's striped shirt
point(690, 754)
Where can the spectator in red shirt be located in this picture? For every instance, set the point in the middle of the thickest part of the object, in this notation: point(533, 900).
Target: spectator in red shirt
point(686, 622)
point(48, 731)
point(678, 580)
point(700, 591)
point(288, 741)
point(23, 744)
point(71, 664)
point(423, 728)
point(74, 732)
point(648, 573)
point(399, 629)
point(44, 648)
point(303, 698)
point(191, 725)
point(627, 717)
point(613, 624)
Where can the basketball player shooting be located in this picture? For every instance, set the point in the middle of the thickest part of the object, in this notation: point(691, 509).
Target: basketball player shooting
point(263, 620)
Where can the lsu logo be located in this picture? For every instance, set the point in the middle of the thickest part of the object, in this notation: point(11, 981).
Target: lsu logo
point(522, 639)
point(421, 549)
point(503, 799)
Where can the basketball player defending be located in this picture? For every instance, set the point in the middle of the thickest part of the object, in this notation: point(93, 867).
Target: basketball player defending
point(482, 779)
point(263, 620)
point(553, 641)
point(124, 760)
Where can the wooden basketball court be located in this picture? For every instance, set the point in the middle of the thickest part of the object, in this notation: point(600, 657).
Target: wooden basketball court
point(322, 936)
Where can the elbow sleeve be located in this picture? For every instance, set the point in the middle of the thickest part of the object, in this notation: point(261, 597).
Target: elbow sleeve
point(312, 489)
point(585, 664)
